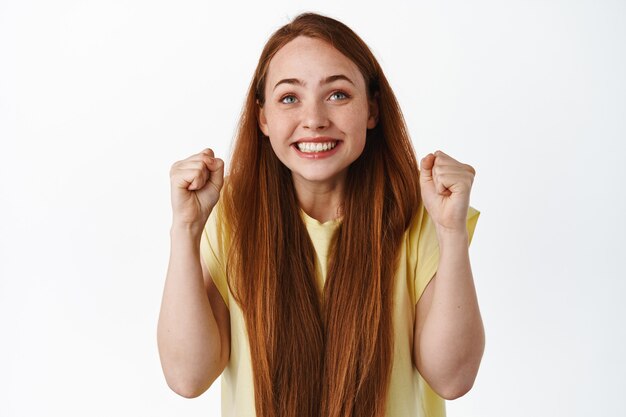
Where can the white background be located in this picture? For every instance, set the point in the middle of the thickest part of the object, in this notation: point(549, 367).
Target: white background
point(99, 98)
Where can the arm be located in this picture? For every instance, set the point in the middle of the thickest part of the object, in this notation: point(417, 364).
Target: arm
point(449, 338)
point(193, 333)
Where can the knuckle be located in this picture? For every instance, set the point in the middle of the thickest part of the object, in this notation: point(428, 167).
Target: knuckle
point(207, 159)
point(174, 168)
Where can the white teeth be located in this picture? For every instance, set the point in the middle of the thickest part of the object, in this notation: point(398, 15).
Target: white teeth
point(309, 147)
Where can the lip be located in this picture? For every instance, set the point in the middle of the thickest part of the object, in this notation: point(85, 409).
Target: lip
point(317, 155)
point(317, 139)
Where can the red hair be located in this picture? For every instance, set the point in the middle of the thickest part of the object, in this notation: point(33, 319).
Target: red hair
point(312, 357)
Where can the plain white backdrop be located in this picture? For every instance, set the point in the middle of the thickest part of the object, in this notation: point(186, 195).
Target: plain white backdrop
point(99, 98)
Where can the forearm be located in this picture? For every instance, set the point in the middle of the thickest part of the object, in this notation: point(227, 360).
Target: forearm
point(452, 338)
point(188, 335)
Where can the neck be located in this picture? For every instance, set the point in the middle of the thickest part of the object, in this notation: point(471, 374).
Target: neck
point(320, 200)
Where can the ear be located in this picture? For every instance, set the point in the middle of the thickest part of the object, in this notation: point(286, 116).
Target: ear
point(372, 119)
point(262, 120)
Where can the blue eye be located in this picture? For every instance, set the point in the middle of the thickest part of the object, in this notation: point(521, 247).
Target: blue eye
point(341, 94)
point(292, 99)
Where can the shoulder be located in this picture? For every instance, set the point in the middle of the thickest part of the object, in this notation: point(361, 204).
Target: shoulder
point(422, 246)
point(213, 249)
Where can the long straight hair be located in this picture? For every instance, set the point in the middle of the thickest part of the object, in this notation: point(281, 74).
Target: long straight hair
point(313, 357)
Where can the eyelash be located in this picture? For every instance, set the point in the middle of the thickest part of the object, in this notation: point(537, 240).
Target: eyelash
point(346, 96)
point(282, 100)
point(341, 92)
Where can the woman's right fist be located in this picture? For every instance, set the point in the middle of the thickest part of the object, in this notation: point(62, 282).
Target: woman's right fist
point(196, 183)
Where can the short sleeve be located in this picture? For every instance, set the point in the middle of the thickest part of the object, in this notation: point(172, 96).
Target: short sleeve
point(212, 244)
point(424, 247)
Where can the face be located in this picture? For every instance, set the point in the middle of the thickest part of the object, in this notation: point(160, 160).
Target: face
point(316, 112)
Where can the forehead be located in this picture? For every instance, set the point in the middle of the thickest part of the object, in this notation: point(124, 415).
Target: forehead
point(311, 60)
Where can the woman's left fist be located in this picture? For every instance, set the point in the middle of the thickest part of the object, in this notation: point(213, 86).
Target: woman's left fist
point(445, 185)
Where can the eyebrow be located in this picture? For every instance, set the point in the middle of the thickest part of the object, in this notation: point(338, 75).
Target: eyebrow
point(326, 80)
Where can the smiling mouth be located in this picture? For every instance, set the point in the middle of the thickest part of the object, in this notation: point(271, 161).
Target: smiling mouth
point(310, 147)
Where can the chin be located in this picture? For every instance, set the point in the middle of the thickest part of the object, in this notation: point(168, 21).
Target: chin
point(318, 177)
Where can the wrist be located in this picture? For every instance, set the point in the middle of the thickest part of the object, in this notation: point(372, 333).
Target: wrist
point(186, 229)
point(452, 236)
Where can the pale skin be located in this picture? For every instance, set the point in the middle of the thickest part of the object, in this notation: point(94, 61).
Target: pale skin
point(194, 327)
point(193, 333)
point(449, 338)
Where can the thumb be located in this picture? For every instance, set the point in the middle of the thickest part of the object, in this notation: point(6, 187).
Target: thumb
point(426, 166)
point(217, 173)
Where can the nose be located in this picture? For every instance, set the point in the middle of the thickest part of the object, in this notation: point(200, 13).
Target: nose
point(315, 116)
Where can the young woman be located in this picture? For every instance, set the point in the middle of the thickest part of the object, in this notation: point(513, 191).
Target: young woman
point(327, 276)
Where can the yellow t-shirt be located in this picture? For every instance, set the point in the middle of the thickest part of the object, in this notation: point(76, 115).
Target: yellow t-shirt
point(409, 394)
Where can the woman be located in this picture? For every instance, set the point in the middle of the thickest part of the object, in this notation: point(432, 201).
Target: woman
point(308, 278)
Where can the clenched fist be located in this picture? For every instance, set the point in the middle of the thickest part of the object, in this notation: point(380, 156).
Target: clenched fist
point(445, 185)
point(196, 183)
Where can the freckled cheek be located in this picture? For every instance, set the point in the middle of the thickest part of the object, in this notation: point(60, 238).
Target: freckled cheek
point(357, 125)
point(357, 117)
point(281, 126)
